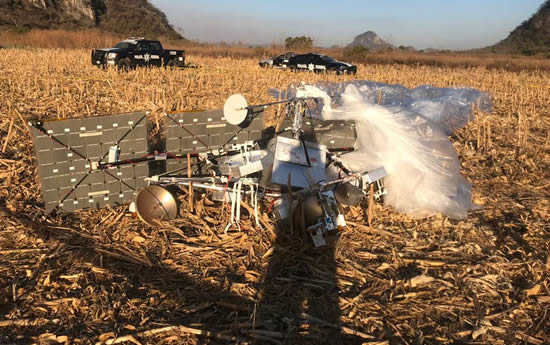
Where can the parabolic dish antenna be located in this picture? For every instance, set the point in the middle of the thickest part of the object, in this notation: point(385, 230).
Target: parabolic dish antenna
point(156, 203)
point(235, 109)
point(347, 194)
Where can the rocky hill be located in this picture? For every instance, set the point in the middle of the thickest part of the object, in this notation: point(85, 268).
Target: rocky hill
point(531, 37)
point(128, 17)
point(371, 41)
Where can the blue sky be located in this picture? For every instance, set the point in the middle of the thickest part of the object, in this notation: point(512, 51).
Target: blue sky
point(423, 24)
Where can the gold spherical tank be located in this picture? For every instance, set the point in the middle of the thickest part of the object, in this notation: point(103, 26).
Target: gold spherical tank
point(155, 203)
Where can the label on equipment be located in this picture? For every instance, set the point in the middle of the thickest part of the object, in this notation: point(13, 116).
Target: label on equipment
point(317, 237)
point(103, 192)
point(218, 125)
point(251, 168)
point(375, 175)
point(90, 134)
point(329, 223)
point(292, 151)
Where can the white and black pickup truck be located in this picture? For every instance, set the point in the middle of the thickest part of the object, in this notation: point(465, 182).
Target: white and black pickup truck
point(138, 52)
point(278, 61)
point(320, 63)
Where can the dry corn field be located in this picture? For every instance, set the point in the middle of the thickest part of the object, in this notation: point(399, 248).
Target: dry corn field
point(103, 277)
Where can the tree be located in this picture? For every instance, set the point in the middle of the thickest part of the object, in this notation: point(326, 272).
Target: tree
point(301, 42)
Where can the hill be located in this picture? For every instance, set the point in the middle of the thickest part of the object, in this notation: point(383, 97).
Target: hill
point(127, 17)
point(530, 38)
point(371, 41)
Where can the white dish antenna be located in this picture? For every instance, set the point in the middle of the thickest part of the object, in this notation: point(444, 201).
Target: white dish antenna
point(235, 109)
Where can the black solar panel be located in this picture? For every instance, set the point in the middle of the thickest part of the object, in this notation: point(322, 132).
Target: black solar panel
point(70, 151)
point(200, 132)
point(335, 134)
point(66, 176)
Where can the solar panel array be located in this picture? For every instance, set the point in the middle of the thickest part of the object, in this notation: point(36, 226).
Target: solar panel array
point(196, 132)
point(334, 134)
point(68, 183)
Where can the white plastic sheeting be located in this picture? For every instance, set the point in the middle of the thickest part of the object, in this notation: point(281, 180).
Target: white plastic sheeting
point(408, 135)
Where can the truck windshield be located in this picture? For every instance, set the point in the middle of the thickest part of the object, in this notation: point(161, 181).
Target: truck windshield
point(155, 45)
point(327, 58)
point(125, 45)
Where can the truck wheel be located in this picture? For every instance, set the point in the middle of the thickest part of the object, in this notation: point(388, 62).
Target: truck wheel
point(124, 65)
point(171, 64)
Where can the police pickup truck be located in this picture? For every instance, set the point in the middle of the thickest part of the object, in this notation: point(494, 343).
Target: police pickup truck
point(320, 63)
point(278, 61)
point(138, 52)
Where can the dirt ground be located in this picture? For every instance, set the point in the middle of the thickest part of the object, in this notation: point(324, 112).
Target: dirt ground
point(103, 277)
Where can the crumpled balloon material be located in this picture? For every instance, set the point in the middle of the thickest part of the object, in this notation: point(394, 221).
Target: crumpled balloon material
point(407, 134)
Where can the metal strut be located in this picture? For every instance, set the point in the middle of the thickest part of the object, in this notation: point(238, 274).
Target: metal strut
point(40, 126)
point(188, 131)
point(125, 135)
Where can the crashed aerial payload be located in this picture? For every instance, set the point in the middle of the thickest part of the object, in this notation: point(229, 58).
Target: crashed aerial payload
point(333, 145)
point(408, 136)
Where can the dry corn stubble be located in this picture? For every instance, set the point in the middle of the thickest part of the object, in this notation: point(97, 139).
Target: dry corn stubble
point(102, 274)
